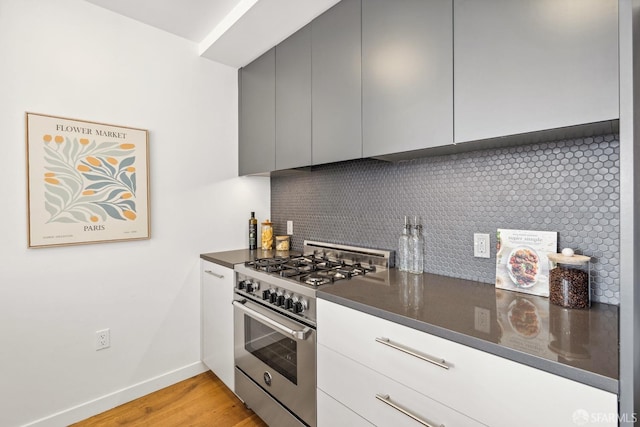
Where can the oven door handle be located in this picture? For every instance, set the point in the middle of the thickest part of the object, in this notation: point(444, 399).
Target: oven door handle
point(297, 334)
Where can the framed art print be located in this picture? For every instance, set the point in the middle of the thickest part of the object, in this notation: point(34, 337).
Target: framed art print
point(87, 182)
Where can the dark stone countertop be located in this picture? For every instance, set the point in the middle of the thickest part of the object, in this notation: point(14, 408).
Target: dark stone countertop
point(581, 345)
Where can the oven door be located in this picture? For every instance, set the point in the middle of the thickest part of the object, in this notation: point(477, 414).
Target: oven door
point(278, 354)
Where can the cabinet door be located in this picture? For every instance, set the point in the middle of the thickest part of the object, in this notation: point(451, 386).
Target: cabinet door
point(257, 120)
point(217, 284)
point(523, 66)
point(407, 75)
point(336, 84)
point(293, 100)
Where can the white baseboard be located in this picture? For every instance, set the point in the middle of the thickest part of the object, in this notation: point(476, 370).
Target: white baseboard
point(119, 397)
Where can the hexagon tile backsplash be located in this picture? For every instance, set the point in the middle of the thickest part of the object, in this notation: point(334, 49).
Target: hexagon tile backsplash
point(569, 186)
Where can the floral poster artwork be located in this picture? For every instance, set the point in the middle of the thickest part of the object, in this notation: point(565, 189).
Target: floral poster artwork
point(87, 182)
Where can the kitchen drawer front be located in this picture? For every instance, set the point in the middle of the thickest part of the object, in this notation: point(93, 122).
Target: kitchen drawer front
point(476, 383)
point(363, 390)
point(332, 413)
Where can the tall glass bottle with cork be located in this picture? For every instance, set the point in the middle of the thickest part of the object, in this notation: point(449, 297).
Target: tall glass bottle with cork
point(416, 246)
point(404, 255)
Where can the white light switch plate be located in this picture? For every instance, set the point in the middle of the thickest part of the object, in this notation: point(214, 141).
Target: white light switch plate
point(481, 245)
point(290, 228)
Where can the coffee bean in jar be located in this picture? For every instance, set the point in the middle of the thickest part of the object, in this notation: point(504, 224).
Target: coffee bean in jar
point(569, 280)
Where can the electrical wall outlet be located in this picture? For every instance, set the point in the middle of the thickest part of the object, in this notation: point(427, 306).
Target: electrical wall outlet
point(103, 339)
point(482, 320)
point(481, 245)
point(290, 228)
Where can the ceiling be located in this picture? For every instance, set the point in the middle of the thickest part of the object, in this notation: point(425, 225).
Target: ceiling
point(233, 32)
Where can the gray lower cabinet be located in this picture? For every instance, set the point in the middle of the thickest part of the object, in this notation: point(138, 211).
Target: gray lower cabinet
point(256, 151)
point(523, 66)
point(336, 84)
point(407, 75)
point(293, 100)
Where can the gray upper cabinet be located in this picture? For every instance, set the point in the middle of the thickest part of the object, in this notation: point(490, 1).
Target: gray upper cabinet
point(256, 131)
point(293, 100)
point(336, 84)
point(380, 78)
point(524, 66)
point(407, 75)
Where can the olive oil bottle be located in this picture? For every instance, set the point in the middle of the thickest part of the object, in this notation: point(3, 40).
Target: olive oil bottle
point(253, 232)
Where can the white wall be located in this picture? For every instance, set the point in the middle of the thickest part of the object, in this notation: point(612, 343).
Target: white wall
point(73, 59)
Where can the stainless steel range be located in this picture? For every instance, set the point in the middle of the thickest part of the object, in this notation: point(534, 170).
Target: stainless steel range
point(275, 326)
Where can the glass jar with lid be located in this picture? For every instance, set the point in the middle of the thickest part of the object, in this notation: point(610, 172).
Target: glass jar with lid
point(570, 280)
point(282, 243)
point(267, 234)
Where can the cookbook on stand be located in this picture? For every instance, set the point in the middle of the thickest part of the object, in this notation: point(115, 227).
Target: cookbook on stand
point(521, 260)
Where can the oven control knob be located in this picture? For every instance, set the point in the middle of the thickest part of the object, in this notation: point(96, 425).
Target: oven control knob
point(300, 306)
point(297, 307)
point(288, 304)
point(273, 297)
point(280, 301)
point(265, 294)
point(243, 284)
point(250, 287)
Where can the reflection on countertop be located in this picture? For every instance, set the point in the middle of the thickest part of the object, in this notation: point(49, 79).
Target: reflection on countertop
point(581, 344)
point(583, 338)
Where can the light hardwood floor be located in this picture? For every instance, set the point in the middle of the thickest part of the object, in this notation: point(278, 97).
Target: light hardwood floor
point(197, 402)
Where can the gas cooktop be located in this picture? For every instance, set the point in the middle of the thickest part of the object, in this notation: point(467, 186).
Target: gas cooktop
point(324, 263)
point(289, 284)
point(313, 269)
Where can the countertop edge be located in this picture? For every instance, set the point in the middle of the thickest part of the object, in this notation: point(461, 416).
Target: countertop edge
point(218, 261)
point(585, 377)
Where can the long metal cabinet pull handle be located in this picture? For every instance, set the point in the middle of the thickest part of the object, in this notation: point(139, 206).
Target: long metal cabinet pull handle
point(438, 362)
point(385, 399)
point(219, 276)
point(300, 335)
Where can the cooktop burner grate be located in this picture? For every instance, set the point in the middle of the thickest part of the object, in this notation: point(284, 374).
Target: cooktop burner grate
point(311, 269)
point(324, 263)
